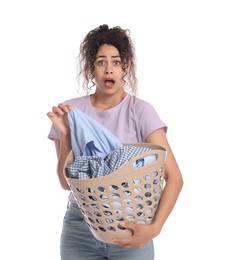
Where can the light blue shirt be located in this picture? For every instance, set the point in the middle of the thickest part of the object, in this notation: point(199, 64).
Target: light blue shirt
point(89, 137)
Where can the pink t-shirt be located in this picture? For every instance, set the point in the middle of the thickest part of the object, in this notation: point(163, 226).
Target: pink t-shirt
point(131, 121)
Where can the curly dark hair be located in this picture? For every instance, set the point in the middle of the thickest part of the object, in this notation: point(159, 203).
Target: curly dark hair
point(120, 39)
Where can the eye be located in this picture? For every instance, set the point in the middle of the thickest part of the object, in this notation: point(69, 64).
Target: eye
point(101, 63)
point(116, 63)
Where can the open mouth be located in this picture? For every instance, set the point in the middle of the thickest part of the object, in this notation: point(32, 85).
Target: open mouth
point(109, 82)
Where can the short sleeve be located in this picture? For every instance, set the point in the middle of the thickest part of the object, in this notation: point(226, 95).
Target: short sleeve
point(54, 133)
point(148, 119)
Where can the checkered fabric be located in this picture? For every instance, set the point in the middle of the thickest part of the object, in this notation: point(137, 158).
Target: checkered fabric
point(86, 167)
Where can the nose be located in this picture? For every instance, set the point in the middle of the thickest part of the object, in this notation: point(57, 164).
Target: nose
point(109, 69)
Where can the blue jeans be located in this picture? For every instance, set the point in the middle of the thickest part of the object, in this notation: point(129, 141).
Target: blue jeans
point(78, 243)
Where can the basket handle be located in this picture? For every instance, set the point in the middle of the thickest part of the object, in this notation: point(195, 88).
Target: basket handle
point(139, 162)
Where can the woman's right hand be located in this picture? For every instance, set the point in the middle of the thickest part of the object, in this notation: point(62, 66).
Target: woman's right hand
point(58, 116)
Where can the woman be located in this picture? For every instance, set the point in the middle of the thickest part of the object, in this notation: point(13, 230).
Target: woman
point(107, 63)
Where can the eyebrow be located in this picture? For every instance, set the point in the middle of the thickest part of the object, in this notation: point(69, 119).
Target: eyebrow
point(103, 56)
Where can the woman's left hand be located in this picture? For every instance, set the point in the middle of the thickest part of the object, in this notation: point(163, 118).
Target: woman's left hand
point(141, 235)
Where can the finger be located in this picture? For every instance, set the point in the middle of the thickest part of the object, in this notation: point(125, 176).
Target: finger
point(69, 107)
point(50, 114)
point(57, 111)
point(128, 225)
point(60, 110)
point(126, 246)
point(64, 107)
point(121, 242)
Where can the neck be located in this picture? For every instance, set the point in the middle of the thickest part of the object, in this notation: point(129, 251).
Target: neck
point(107, 101)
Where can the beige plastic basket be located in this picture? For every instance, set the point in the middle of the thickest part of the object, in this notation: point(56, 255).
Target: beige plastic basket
point(128, 194)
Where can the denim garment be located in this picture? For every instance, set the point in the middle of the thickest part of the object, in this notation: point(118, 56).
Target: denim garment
point(78, 243)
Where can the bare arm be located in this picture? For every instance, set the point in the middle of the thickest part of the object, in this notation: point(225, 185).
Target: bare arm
point(174, 180)
point(174, 183)
point(63, 146)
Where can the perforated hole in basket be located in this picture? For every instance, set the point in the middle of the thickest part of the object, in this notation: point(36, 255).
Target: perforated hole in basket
point(135, 201)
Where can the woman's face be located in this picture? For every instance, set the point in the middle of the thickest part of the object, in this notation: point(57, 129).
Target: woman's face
point(108, 70)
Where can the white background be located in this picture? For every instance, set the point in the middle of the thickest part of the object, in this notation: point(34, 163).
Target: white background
point(182, 70)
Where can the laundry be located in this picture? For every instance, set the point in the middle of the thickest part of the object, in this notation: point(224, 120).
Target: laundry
point(97, 151)
point(89, 137)
point(86, 167)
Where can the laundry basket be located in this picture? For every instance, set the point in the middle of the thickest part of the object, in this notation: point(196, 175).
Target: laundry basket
point(127, 194)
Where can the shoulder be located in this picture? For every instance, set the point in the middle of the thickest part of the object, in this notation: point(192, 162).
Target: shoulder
point(77, 102)
point(139, 105)
point(143, 110)
point(145, 116)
